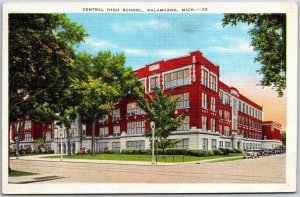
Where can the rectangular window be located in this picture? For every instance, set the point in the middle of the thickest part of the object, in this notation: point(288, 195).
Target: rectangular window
point(221, 129)
point(28, 125)
point(143, 82)
point(27, 137)
point(134, 109)
point(185, 124)
point(221, 144)
point(154, 82)
point(204, 144)
point(227, 131)
point(135, 145)
point(213, 82)
point(204, 100)
point(213, 104)
point(226, 115)
point(135, 128)
point(116, 146)
point(227, 144)
point(183, 100)
point(204, 123)
point(104, 118)
point(103, 145)
point(116, 131)
point(184, 143)
point(240, 106)
point(213, 125)
point(116, 114)
point(213, 144)
point(204, 77)
point(48, 136)
point(177, 78)
point(103, 131)
point(220, 114)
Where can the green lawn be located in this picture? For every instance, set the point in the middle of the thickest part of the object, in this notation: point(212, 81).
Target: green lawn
point(20, 173)
point(123, 157)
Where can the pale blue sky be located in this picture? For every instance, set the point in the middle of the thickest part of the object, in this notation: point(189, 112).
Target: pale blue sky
point(146, 38)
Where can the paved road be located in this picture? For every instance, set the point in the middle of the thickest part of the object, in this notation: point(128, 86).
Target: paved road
point(263, 170)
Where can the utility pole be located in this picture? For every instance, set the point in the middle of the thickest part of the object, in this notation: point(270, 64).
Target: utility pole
point(152, 124)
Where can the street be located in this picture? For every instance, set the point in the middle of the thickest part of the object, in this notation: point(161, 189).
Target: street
point(269, 169)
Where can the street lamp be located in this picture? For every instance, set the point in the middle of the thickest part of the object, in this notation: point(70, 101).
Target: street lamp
point(152, 124)
point(61, 156)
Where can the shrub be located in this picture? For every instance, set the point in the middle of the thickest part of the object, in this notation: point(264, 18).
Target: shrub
point(231, 150)
point(89, 151)
point(204, 153)
point(210, 153)
point(225, 151)
point(218, 152)
point(237, 150)
point(196, 153)
point(175, 151)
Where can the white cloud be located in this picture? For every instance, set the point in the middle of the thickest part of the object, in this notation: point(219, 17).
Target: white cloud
point(239, 48)
point(167, 53)
point(100, 43)
point(138, 52)
point(136, 26)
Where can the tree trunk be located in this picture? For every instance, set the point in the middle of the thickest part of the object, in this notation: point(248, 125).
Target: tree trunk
point(93, 137)
point(68, 140)
point(79, 123)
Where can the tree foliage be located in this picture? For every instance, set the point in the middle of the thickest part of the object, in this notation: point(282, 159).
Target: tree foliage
point(269, 41)
point(160, 109)
point(41, 53)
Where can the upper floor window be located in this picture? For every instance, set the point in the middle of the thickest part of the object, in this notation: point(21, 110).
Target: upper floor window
point(226, 115)
point(154, 82)
point(220, 114)
point(27, 125)
point(213, 125)
point(27, 137)
point(204, 123)
point(116, 131)
point(103, 131)
point(213, 104)
point(184, 101)
point(185, 124)
point(116, 114)
point(204, 100)
point(143, 82)
point(48, 136)
point(134, 109)
point(104, 118)
point(213, 82)
point(226, 131)
point(135, 127)
point(204, 77)
point(177, 78)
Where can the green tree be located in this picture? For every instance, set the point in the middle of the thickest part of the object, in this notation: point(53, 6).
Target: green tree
point(160, 109)
point(269, 41)
point(108, 81)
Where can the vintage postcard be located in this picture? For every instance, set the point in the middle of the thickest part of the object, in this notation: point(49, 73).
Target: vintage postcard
point(171, 97)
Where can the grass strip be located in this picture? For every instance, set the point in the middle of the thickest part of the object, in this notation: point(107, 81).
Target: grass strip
point(15, 173)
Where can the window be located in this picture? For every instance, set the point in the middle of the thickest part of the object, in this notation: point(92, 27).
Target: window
point(213, 125)
point(185, 124)
point(27, 137)
point(134, 109)
point(221, 129)
point(184, 101)
point(226, 99)
point(27, 125)
point(184, 143)
point(143, 82)
point(116, 131)
point(154, 82)
point(213, 82)
point(227, 131)
point(177, 78)
point(227, 144)
point(135, 128)
point(204, 100)
point(104, 118)
point(204, 144)
point(204, 123)
point(135, 144)
point(204, 77)
point(221, 144)
point(226, 115)
point(213, 144)
point(116, 114)
point(48, 136)
point(240, 106)
point(103, 131)
point(220, 114)
point(213, 104)
point(116, 146)
point(103, 145)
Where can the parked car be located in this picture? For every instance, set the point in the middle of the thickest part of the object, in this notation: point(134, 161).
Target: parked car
point(250, 154)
